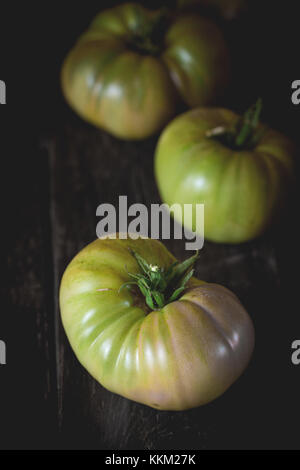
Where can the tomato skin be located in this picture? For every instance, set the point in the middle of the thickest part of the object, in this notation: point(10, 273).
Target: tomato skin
point(242, 190)
point(179, 357)
point(133, 94)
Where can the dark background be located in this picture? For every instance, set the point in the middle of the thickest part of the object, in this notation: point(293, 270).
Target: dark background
point(52, 180)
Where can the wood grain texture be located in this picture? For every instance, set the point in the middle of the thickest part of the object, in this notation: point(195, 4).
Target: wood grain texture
point(88, 167)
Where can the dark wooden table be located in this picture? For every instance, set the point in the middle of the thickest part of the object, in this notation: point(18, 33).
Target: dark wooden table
point(57, 403)
point(49, 206)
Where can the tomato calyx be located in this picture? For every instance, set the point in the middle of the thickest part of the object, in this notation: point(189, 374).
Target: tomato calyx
point(148, 39)
point(245, 134)
point(158, 285)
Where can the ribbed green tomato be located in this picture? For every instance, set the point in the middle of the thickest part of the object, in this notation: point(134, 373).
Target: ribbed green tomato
point(127, 72)
point(178, 357)
point(242, 189)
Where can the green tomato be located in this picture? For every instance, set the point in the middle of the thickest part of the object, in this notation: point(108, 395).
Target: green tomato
point(127, 73)
point(176, 357)
point(242, 186)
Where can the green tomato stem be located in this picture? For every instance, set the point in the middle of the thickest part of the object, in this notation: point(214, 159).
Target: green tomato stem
point(247, 125)
point(161, 286)
point(245, 133)
point(148, 38)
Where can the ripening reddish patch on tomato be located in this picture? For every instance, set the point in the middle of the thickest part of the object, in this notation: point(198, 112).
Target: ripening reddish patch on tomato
point(147, 329)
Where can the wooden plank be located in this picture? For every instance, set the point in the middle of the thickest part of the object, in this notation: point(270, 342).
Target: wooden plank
point(88, 168)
